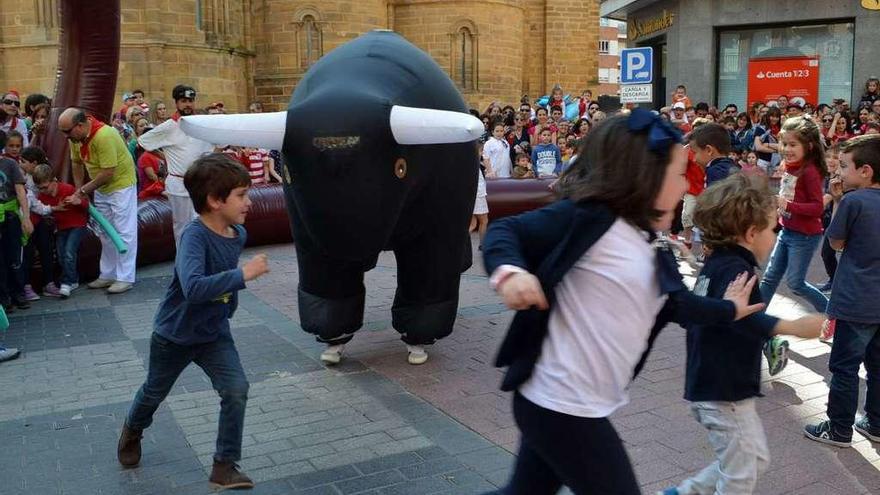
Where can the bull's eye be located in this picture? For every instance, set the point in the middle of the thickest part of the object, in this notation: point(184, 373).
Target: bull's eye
point(400, 168)
point(328, 143)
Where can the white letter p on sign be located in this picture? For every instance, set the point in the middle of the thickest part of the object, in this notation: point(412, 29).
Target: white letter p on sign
point(636, 62)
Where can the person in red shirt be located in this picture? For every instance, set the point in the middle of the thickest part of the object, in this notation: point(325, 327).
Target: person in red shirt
point(801, 207)
point(70, 211)
point(696, 178)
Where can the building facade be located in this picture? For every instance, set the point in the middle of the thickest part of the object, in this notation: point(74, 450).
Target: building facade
point(237, 51)
point(612, 39)
point(710, 45)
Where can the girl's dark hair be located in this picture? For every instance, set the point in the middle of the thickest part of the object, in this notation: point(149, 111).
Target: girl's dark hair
point(743, 115)
point(771, 111)
point(34, 154)
point(616, 168)
point(14, 134)
point(807, 132)
point(849, 121)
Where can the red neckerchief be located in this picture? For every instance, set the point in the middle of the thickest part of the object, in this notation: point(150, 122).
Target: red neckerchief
point(175, 116)
point(793, 168)
point(94, 126)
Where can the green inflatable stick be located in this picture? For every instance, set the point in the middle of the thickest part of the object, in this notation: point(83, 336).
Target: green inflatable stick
point(108, 229)
point(4, 321)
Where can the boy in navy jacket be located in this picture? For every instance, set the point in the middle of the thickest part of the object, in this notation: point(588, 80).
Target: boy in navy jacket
point(192, 324)
point(737, 217)
point(854, 229)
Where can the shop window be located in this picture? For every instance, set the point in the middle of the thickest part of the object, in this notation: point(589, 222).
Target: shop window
point(832, 43)
point(604, 46)
point(464, 56)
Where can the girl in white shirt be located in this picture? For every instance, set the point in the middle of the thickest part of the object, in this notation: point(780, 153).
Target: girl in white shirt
point(497, 150)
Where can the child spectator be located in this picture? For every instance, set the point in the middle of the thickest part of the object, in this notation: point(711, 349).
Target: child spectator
point(44, 228)
point(480, 218)
point(711, 145)
point(497, 150)
point(564, 150)
point(737, 217)
point(872, 92)
point(258, 165)
point(546, 156)
point(14, 144)
point(570, 268)
point(749, 165)
point(14, 231)
point(556, 100)
point(829, 255)
point(800, 210)
point(192, 323)
point(523, 168)
point(556, 115)
point(584, 103)
point(70, 212)
point(680, 95)
point(855, 230)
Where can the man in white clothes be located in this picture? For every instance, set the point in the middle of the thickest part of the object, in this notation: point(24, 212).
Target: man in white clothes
point(180, 151)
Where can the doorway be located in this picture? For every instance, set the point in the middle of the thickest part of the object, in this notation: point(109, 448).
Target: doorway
point(659, 64)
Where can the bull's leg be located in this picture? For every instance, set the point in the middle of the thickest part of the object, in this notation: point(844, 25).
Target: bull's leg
point(426, 301)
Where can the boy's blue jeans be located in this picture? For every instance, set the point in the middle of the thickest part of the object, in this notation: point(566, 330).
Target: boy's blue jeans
point(791, 258)
point(854, 343)
point(68, 241)
point(220, 361)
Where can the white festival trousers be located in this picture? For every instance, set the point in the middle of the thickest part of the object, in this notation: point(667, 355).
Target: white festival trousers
point(120, 208)
point(182, 213)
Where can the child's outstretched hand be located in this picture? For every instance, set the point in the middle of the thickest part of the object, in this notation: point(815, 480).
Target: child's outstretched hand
point(256, 267)
point(73, 199)
point(739, 291)
point(522, 291)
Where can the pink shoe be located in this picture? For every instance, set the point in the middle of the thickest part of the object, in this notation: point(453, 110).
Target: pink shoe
point(29, 295)
point(51, 290)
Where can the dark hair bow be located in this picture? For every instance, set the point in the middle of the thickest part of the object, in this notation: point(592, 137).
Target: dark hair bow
point(661, 135)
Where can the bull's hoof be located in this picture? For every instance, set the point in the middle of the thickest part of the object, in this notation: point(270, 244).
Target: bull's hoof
point(332, 355)
point(417, 355)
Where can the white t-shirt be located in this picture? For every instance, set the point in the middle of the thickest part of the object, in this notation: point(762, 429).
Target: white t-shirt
point(498, 153)
point(180, 151)
point(605, 308)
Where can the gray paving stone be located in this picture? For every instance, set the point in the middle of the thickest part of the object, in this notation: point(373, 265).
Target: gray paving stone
point(323, 477)
point(368, 482)
point(388, 462)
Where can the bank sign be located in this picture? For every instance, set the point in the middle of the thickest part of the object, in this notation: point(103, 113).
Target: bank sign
point(791, 76)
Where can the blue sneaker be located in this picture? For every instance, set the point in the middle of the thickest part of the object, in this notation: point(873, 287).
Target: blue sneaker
point(867, 430)
point(824, 433)
point(669, 491)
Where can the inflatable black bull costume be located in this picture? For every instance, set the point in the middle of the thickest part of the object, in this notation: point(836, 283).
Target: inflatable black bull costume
point(380, 155)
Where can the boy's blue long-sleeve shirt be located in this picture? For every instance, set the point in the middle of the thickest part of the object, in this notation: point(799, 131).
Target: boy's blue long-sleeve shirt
point(203, 294)
point(724, 359)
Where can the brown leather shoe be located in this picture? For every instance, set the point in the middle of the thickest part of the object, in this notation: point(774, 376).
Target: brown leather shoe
point(225, 475)
point(129, 449)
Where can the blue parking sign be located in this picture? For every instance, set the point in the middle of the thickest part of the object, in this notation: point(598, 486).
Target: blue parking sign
point(636, 65)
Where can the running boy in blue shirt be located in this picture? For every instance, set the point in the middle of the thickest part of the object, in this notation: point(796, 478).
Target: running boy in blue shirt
point(736, 216)
point(192, 324)
point(855, 230)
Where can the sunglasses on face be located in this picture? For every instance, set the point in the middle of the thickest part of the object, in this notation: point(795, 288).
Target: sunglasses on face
point(12, 102)
point(827, 121)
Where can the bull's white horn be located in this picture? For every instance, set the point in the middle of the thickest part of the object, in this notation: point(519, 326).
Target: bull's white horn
point(254, 130)
point(426, 126)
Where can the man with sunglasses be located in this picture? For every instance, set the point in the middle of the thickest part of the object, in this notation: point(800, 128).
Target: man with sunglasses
point(9, 120)
point(99, 149)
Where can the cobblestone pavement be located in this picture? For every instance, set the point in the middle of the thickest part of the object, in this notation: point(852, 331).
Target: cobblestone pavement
point(373, 425)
